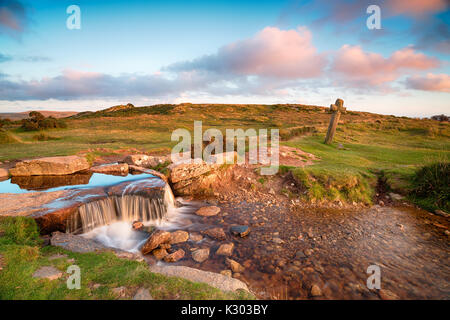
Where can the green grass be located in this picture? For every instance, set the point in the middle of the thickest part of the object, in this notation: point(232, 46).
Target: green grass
point(22, 255)
point(373, 145)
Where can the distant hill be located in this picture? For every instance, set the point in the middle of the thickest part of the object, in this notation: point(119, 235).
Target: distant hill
point(23, 115)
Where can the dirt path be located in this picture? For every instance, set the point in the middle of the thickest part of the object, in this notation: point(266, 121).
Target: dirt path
point(291, 249)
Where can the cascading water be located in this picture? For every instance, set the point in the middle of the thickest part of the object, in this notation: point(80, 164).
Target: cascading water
point(109, 220)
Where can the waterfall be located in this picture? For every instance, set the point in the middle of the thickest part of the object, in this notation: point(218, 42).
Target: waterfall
point(125, 208)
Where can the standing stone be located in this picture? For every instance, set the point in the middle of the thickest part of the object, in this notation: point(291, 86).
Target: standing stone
point(337, 108)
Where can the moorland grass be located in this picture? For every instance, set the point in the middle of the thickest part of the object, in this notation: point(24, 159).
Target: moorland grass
point(22, 254)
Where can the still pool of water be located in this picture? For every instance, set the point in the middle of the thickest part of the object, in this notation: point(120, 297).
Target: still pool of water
point(56, 183)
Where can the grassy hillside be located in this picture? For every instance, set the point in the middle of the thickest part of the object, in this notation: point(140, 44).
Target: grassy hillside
point(366, 145)
point(21, 254)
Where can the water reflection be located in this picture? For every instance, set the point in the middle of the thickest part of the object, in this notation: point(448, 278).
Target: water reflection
point(73, 181)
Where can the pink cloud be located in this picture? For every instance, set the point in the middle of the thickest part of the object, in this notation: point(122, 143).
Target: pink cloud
point(271, 52)
point(8, 19)
point(416, 7)
point(372, 68)
point(430, 82)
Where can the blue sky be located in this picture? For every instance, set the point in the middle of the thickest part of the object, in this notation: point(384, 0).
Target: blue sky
point(148, 52)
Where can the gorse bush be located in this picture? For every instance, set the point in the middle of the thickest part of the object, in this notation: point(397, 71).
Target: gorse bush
point(37, 121)
point(431, 186)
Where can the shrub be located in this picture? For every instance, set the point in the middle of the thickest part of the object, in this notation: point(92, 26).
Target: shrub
point(431, 186)
point(37, 121)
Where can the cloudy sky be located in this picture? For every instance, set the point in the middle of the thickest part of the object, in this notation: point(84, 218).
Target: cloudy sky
point(291, 51)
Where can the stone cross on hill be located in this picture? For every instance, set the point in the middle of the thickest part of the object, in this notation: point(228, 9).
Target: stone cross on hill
point(337, 108)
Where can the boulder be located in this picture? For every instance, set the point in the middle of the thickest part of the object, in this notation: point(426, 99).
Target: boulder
point(155, 240)
point(175, 256)
point(188, 171)
point(50, 166)
point(208, 211)
point(137, 225)
point(118, 169)
point(4, 173)
point(146, 161)
point(216, 233)
point(200, 255)
point(225, 249)
point(178, 236)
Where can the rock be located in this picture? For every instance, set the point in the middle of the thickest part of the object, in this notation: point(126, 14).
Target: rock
point(387, 295)
point(119, 169)
point(234, 265)
point(225, 249)
point(300, 255)
point(200, 255)
point(216, 280)
point(141, 160)
point(308, 252)
point(48, 272)
point(50, 166)
point(143, 294)
point(196, 237)
point(187, 171)
point(216, 233)
point(395, 196)
point(208, 211)
point(120, 292)
point(315, 291)
point(278, 240)
point(175, 256)
point(137, 225)
point(153, 242)
point(160, 253)
point(227, 273)
point(178, 236)
point(4, 173)
point(240, 230)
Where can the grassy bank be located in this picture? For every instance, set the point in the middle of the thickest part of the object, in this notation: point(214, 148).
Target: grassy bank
point(21, 255)
point(366, 145)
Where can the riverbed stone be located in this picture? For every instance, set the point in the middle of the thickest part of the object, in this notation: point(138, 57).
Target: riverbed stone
point(50, 166)
point(227, 273)
point(178, 236)
point(216, 233)
point(47, 272)
point(200, 255)
point(240, 230)
point(225, 249)
point(234, 265)
point(160, 253)
point(157, 238)
point(316, 291)
point(196, 237)
point(208, 211)
point(175, 256)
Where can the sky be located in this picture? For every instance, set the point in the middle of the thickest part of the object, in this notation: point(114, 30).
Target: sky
point(288, 51)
